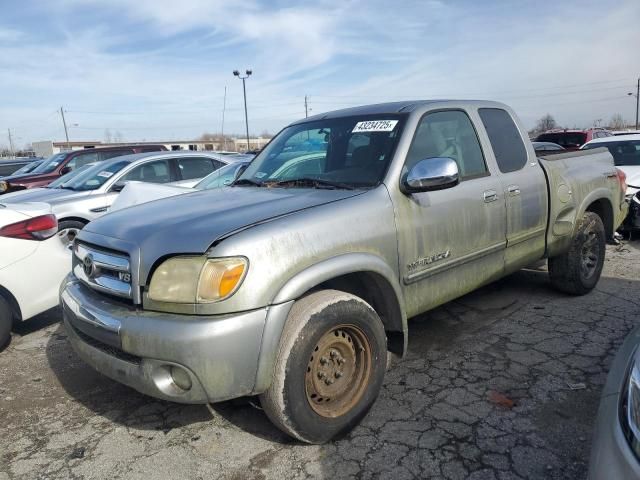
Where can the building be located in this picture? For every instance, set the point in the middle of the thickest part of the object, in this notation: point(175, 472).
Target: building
point(47, 148)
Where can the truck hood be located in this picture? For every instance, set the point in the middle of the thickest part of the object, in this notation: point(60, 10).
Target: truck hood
point(28, 178)
point(191, 223)
point(41, 195)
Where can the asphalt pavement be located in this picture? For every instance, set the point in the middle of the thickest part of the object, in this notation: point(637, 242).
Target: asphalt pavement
point(503, 383)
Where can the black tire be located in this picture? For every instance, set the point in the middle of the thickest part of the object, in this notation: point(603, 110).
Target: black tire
point(312, 323)
point(6, 322)
point(577, 271)
point(70, 226)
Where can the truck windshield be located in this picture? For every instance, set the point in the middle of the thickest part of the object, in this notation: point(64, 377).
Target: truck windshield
point(624, 152)
point(347, 152)
point(94, 177)
point(51, 163)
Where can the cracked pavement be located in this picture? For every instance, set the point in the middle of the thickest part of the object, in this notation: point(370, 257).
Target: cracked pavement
point(503, 383)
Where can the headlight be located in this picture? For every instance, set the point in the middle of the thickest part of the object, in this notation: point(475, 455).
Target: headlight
point(4, 186)
point(197, 279)
point(632, 404)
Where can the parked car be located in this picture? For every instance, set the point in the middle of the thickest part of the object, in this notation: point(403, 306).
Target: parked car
point(33, 262)
point(618, 133)
point(64, 162)
point(572, 139)
point(547, 148)
point(615, 451)
point(89, 195)
point(626, 155)
point(295, 285)
point(135, 193)
point(26, 168)
point(8, 167)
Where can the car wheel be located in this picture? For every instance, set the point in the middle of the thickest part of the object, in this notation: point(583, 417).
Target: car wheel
point(68, 230)
point(329, 368)
point(6, 321)
point(577, 271)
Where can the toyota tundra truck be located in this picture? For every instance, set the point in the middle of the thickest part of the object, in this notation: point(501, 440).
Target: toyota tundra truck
point(295, 283)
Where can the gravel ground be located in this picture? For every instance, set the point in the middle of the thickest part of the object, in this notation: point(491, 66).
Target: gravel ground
point(503, 383)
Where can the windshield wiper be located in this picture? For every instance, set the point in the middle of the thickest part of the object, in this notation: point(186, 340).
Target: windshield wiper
point(247, 181)
point(67, 188)
point(313, 182)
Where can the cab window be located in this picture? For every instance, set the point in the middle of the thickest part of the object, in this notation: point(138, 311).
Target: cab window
point(448, 134)
point(507, 144)
point(82, 159)
point(151, 172)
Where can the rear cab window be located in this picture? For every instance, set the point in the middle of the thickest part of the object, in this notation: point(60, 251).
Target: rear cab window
point(506, 141)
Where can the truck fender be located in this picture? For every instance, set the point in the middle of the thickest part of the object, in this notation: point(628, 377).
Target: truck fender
point(307, 279)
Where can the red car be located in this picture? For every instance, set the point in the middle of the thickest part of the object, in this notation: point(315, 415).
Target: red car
point(64, 162)
point(572, 139)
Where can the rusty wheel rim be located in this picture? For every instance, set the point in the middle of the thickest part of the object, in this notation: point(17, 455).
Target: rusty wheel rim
point(338, 371)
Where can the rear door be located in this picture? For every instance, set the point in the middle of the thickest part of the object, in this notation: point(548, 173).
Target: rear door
point(523, 186)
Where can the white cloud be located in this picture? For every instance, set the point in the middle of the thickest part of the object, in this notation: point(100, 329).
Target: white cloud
point(573, 61)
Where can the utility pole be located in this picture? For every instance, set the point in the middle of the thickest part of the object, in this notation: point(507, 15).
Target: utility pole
point(306, 108)
point(637, 95)
point(244, 91)
point(66, 132)
point(10, 143)
point(224, 106)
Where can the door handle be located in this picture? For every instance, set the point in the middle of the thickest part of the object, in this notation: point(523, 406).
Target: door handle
point(513, 190)
point(490, 196)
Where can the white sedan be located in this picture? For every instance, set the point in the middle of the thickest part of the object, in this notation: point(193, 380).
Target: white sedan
point(33, 262)
point(626, 155)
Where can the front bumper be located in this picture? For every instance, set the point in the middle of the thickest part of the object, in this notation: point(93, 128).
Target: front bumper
point(220, 354)
point(611, 454)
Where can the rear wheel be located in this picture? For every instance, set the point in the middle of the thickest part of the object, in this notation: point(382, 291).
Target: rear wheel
point(329, 369)
point(577, 271)
point(68, 230)
point(6, 321)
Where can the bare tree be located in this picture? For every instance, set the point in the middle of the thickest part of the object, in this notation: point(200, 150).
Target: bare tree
point(117, 137)
point(617, 122)
point(266, 134)
point(546, 123)
point(107, 136)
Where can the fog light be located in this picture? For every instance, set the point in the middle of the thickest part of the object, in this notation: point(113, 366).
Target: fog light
point(181, 378)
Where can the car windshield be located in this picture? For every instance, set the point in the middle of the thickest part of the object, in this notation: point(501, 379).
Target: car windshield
point(623, 152)
point(59, 182)
point(565, 139)
point(27, 168)
point(51, 163)
point(221, 177)
point(94, 177)
point(347, 152)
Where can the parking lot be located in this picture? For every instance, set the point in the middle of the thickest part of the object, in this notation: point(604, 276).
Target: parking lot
point(502, 383)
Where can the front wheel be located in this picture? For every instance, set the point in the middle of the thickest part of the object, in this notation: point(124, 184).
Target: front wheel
point(577, 271)
point(68, 231)
point(329, 369)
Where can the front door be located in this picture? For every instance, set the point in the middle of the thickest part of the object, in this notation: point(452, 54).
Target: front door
point(450, 241)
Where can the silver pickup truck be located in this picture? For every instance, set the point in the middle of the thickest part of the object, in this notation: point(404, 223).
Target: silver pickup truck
point(296, 282)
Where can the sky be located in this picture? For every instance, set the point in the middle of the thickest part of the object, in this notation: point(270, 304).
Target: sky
point(157, 69)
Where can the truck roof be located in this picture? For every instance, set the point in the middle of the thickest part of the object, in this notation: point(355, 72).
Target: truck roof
point(396, 107)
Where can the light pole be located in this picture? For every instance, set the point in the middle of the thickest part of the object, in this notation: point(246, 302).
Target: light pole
point(637, 95)
point(244, 91)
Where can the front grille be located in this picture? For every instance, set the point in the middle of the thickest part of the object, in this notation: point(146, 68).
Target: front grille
point(108, 349)
point(103, 270)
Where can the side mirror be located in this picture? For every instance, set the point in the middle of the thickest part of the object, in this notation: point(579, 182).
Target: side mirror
point(118, 186)
point(65, 170)
point(435, 173)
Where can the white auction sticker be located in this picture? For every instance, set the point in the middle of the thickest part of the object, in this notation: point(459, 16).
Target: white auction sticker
point(375, 126)
point(105, 174)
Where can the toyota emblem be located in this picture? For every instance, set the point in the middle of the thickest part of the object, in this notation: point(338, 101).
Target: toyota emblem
point(88, 266)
